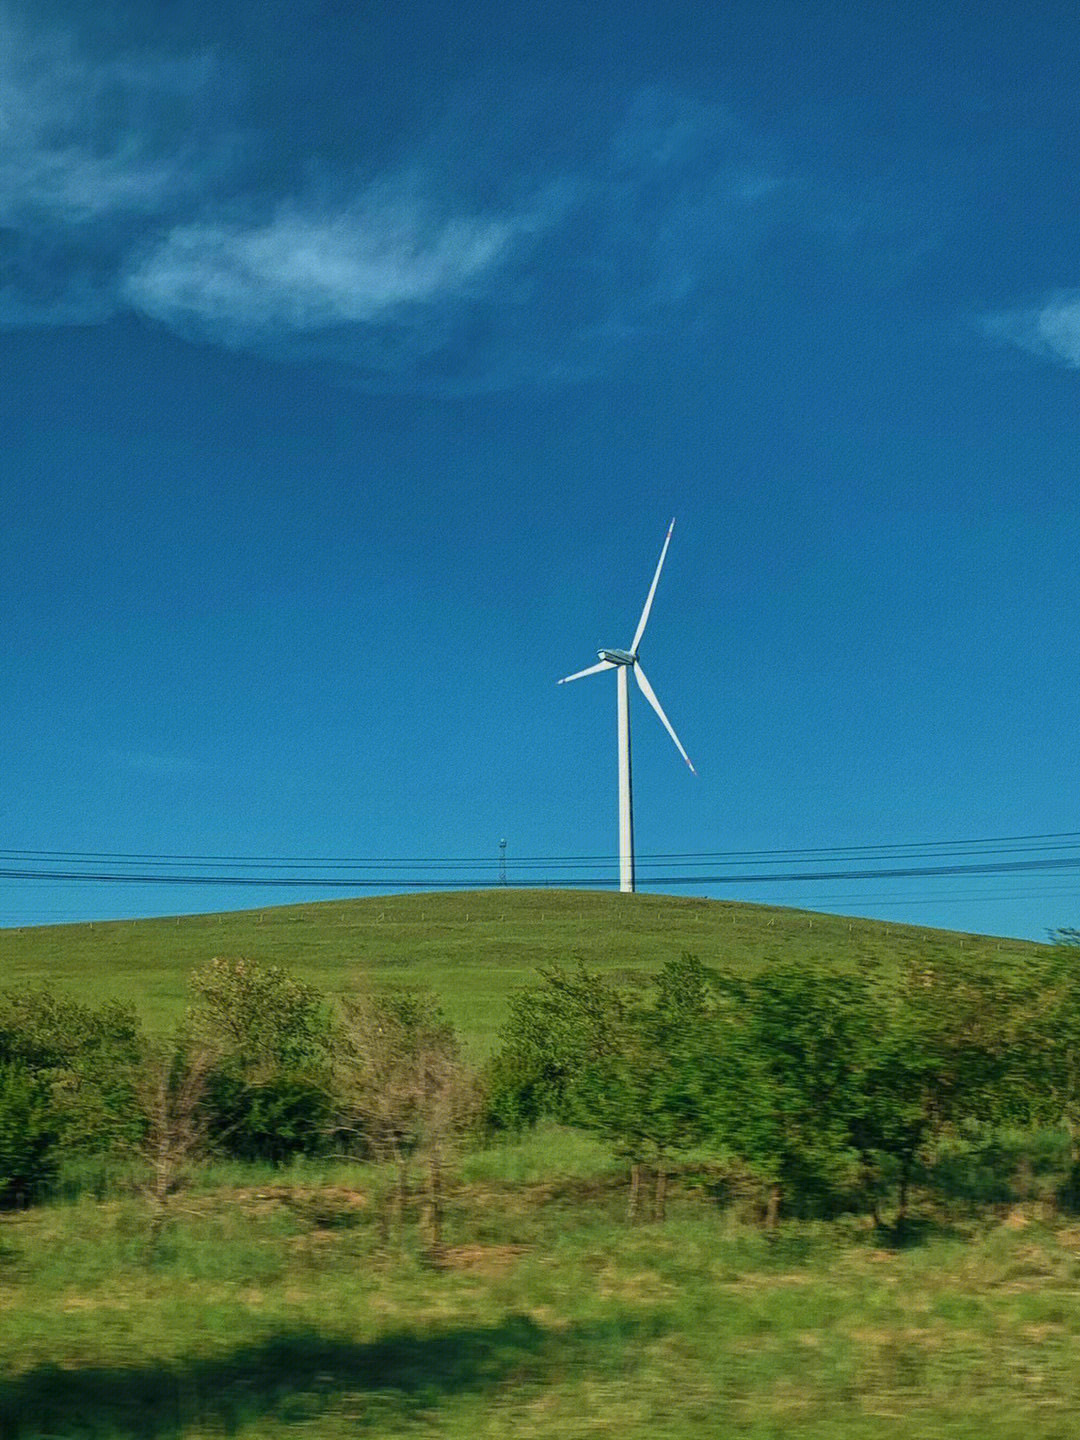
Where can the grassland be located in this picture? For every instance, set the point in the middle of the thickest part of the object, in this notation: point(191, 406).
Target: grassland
point(271, 1309)
point(472, 948)
point(273, 1306)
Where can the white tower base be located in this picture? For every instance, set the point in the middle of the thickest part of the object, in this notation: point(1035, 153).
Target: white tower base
point(626, 813)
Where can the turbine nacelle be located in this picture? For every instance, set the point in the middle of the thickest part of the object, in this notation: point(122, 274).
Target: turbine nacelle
point(617, 657)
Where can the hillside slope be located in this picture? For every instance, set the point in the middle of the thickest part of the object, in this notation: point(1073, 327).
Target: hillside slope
point(473, 948)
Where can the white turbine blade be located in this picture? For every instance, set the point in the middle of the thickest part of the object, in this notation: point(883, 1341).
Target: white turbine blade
point(604, 665)
point(652, 591)
point(648, 692)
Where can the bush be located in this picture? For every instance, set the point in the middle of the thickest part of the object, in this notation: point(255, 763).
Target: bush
point(84, 1059)
point(29, 1138)
point(270, 1116)
point(516, 1093)
point(268, 1090)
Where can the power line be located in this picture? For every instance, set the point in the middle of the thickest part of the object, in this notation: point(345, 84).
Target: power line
point(895, 872)
point(1053, 840)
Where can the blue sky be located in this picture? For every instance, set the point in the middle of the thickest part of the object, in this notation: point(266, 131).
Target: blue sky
point(354, 360)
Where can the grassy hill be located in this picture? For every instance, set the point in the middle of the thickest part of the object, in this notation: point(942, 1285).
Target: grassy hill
point(472, 948)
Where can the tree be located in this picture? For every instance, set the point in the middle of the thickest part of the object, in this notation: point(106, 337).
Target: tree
point(172, 1091)
point(659, 1091)
point(554, 1029)
point(795, 1038)
point(844, 1080)
point(950, 1054)
point(639, 1069)
point(403, 1093)
point(1048, 1042)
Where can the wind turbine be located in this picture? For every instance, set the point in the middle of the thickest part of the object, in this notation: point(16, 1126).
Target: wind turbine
point(624, 661)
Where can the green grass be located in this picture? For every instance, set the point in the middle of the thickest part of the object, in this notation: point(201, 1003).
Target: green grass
point(270, 1307)
point(472, 948)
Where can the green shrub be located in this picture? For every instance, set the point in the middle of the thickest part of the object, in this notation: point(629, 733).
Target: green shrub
point(29, 1137)
point(86, 1060)
point(268, 1089)
point(272, 1117)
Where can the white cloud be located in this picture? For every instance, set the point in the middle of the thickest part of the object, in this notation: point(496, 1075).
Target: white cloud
point(1050, 330)
point(306, 270)
point(117, 191)
point(1059, 328)
point(81, 140)
point(404, 282)
point(90, 151)
point(480, 260)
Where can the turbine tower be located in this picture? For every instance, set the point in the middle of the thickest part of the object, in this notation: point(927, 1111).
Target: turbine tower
point(624, 661)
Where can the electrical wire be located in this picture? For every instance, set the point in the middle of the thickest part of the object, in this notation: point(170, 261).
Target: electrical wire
point(1054, 840)
point(893, 872)
point(928, 863)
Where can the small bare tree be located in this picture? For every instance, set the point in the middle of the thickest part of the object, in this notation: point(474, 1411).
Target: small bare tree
point(404, 1094)
point(171, 1089)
